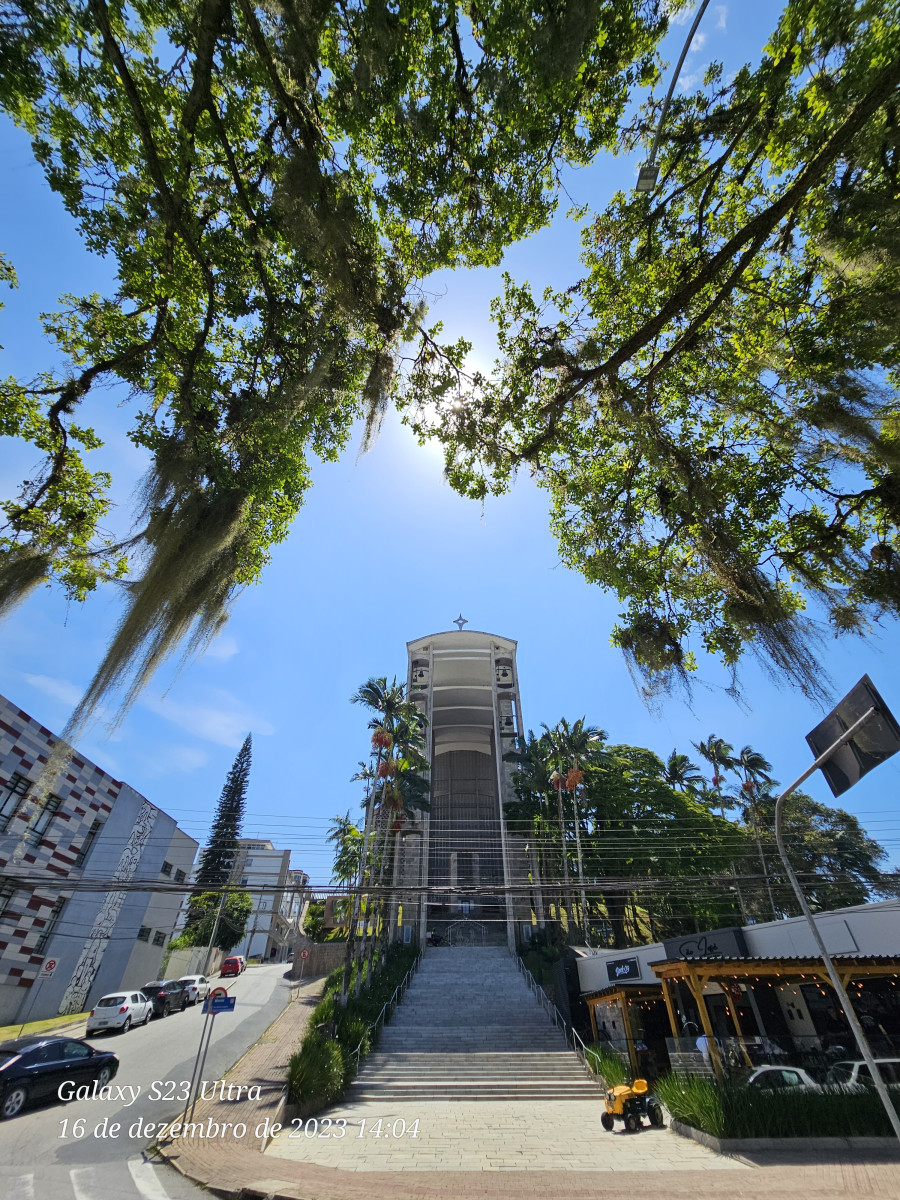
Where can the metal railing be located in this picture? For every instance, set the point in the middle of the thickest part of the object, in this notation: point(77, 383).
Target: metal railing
point(387, 1009)
point(573, 1038)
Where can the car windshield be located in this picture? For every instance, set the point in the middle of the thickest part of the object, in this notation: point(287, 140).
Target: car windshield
point(8, 1056)
point(151, 987)
point(110, 1001)
point(187, 981)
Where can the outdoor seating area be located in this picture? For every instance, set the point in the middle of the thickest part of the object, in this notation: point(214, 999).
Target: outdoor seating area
point(721, 1016)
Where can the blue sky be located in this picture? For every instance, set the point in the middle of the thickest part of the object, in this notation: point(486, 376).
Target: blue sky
point(383, 552)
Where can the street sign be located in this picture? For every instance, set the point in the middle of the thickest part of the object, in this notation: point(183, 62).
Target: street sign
point(304, 954)
point(49, 966)
point(878, 739)
point(218, 991)
point(219, 1004)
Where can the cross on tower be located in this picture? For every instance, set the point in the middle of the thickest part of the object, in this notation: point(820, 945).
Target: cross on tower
point(460, 621)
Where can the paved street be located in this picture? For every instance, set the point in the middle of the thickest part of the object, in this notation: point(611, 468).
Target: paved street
point(35, 1161)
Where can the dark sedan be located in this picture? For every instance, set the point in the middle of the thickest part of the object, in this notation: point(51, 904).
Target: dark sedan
point(167, 995)
point(32, 1068)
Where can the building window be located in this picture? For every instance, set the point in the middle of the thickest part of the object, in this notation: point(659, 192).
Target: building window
point(144, 933)
point(180, 876)
point(90, 838)
point(166, 869)
point(52, 920)
point(15, 790)
point(41, 822)
point(7, 890)
point(159, 938)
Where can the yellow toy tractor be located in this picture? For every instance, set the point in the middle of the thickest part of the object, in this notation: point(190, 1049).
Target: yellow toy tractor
point(630, 1104)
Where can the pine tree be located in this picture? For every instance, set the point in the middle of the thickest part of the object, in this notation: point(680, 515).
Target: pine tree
point(217, 857)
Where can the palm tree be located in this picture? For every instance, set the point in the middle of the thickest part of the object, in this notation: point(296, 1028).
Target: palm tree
point(752, 769)
point(682, 774)
point(387, 700)
point(570, 746)
point(718, 753)
point(531, 780)
point(401, 793)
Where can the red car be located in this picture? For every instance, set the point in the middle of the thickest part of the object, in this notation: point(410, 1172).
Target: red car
point(231, 966)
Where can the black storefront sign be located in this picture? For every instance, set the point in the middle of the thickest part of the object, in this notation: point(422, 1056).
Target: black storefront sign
point(620, 969)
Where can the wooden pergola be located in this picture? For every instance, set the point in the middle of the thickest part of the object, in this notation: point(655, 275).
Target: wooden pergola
point(622, 994)
point(696, 973)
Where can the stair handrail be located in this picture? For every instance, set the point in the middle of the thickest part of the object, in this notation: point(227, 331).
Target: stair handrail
point(569, 1032)
point(389, 1005)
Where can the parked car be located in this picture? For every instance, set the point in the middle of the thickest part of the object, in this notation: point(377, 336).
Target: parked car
point(119, 1011)
point(231, 966)
point(855, 1074)
point(242, 961)
point(32, 1068)
point(771, 1079)
point(168, 995)
point(196, 986)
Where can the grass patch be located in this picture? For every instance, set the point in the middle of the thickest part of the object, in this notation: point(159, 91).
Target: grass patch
point(728, 1110)
point(8, 1032)
point(609, 1065)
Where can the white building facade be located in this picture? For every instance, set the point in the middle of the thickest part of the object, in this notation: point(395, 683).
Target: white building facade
point(470, 873)
point(279, 895)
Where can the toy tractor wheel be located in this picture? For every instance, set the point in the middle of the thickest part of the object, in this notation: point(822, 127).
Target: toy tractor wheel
point(655, 1113)
point(607, 1121)
point(632, 1122)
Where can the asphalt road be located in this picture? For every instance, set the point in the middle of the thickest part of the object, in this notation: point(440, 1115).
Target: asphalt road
point(39, 1156)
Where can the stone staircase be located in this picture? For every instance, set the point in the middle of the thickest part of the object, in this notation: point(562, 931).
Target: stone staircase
point(470, 1029)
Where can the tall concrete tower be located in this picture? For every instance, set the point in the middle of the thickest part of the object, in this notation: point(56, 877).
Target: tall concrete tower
point(474, 873)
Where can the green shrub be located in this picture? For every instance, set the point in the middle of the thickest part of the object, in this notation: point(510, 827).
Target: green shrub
point(694, 1100)
point(604, 1061)
point(316, 1071)
point(728, 1110)
point(323, 1067)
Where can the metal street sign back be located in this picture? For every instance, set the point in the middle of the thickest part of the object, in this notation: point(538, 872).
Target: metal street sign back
point(878, 739)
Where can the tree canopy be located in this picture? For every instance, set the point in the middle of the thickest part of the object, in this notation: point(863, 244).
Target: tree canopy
point(712, 404)
point(272, 182)
point(218, 855)
point(656, 855)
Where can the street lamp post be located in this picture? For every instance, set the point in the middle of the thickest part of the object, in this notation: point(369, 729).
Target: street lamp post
point(648, 172)
point(852, 1020)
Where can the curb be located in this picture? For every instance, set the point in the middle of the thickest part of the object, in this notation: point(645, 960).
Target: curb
point(731, 1146)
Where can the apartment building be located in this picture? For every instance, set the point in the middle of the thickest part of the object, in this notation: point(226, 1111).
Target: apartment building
point(74, 921)
point(279, 894)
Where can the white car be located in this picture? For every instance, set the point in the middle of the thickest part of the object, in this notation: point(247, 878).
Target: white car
point(196, 987)
point(782, 1079)
point(119, 1011)
point(854, 1074)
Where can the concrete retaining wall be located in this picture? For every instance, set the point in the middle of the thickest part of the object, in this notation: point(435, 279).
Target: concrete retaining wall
point(324, 957)
point(747, 1145)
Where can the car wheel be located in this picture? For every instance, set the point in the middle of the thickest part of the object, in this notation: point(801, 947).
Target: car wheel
point(149, 1015)
point(184, 1004)
point(14, 1101)
point(104, 1076)
point(607, 1121)
point(126, 1026)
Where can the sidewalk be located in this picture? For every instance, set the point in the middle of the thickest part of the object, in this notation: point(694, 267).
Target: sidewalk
point(351, 1168)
